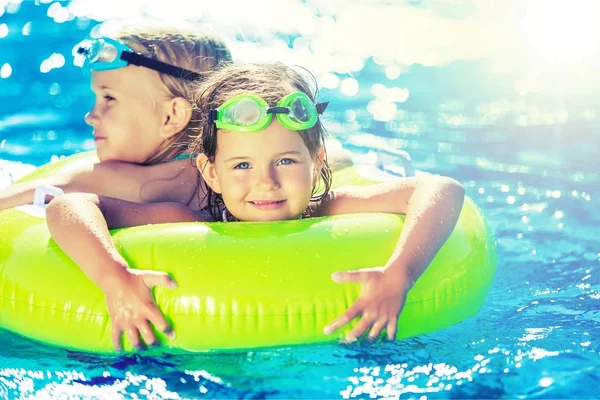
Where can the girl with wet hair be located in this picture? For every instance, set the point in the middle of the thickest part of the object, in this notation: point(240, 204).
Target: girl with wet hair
point(258, 79)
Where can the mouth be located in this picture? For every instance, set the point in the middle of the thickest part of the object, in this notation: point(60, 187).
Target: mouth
point(267, 204)
point(97, 136)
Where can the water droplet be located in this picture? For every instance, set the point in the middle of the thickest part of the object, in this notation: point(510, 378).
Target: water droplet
point(546, 381)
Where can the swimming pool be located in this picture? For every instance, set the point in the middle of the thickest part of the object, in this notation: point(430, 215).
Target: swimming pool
point(536, 180)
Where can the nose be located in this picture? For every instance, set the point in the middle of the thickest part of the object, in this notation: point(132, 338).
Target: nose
point(267, 179)
point(91, 117)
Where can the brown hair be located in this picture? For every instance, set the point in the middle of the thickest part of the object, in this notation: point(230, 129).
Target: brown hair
point(186, 48)
point(271, 81)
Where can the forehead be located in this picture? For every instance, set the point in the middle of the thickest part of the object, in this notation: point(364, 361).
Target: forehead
point(131, 79)
point(274, 139)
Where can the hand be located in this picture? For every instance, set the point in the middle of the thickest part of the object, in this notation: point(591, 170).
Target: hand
point(132, 308)
point(382, 298)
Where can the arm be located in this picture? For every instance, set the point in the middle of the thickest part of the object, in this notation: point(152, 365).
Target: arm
point(87, 219)
point(169, 182)
point(18, 194)
point(432, 205)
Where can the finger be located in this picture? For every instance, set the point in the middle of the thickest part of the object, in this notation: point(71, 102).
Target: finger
point(349, 276)
point(157, 278)
point(134, 337)
point(376, 329)
point(360, 328)
point(343, 319)
point(116, 334)
point(391, 328)
point(157, 319)
point(147, 333)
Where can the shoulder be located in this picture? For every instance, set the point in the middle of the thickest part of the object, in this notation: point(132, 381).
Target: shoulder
point(121, 213)
point(167, 182)
point(173, 212)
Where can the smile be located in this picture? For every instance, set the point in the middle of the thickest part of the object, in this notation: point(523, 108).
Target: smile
point(267, 204)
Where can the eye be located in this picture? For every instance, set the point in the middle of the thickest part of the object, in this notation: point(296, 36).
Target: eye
point(242, 165)
point(287, 161)
point(108, 98)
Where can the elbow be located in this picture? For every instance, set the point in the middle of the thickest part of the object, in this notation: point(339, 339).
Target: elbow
point(450, 189)
point(455, 190)
point(60, 208)
point(57, 205)
point(55, 211)
point(454, 186)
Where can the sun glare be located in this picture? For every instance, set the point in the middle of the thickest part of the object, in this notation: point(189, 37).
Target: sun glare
point(563, 31)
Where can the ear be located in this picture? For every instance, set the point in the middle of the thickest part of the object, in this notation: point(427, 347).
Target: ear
point(177, 115)
point(208, 172)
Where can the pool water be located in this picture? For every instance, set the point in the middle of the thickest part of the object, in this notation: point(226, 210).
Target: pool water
point(537, 183)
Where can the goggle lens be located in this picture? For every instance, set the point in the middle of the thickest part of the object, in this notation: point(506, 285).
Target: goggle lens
point(246, 112)
point(301, 114)
point(300, 111)
point(93, 52)
point(104, 52)
point(243, 113)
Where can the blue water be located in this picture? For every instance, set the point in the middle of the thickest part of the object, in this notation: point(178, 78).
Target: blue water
point(534, 176)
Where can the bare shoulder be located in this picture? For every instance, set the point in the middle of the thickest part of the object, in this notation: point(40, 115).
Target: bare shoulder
point(167, 182)
point(173, 212)
point(121, 213)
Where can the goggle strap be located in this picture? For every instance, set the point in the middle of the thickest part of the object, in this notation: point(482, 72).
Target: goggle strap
point(212, 116)
point(142, 61)
point(321, 107)
point(278, 110)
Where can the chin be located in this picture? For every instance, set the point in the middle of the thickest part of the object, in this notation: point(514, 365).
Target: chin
point(275, 217)
point(102, 156)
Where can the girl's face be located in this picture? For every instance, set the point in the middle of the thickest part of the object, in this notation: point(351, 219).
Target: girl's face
point(263, 176)
point(127, 116)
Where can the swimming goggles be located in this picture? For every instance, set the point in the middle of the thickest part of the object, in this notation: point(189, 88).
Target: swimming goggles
point(250, 113)
point(105, 54)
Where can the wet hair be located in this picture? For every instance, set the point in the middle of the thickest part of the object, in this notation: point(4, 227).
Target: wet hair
point(186, 48)
point(271, 81)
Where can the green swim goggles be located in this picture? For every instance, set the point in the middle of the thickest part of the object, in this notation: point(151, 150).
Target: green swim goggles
point(250, 113)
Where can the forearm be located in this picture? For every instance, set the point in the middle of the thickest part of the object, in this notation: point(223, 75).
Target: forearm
point(23, 192)
point(18, 194)
point(432, 213)
point(78, 226)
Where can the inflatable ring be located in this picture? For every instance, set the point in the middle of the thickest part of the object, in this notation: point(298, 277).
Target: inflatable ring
point(241, 285)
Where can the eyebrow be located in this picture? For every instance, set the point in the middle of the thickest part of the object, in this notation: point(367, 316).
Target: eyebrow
point(102, 87)
point(277, 155)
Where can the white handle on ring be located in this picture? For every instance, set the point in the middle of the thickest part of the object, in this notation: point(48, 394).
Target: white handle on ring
point(39, 197)
point(404, 156)
point(409, 169)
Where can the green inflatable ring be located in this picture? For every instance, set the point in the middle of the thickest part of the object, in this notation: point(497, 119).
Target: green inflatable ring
point(241, 285)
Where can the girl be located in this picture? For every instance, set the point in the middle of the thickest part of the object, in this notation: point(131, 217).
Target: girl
point(261, 156)
point(140, 118)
